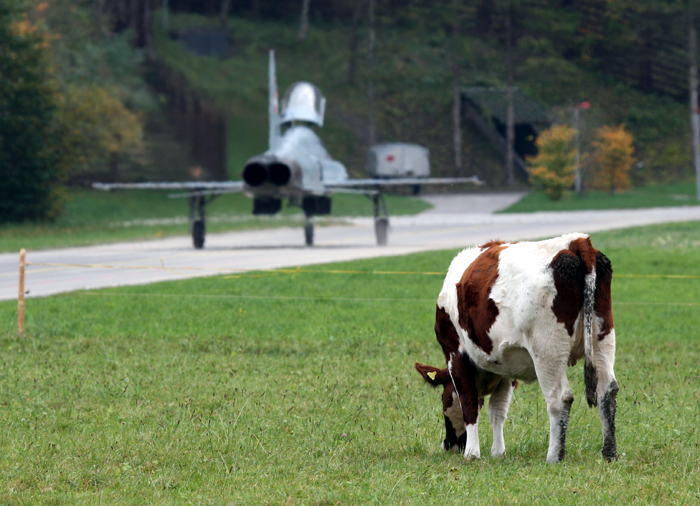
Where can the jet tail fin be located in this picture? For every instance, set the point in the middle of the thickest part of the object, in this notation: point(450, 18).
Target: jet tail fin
point(274, 104)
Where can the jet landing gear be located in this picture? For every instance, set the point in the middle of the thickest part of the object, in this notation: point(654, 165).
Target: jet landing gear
point(309, 230)
point(198, 204)
point(381, 219)
point(313, 205)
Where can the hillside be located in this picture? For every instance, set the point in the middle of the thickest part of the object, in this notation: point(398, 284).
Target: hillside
point(413, 89)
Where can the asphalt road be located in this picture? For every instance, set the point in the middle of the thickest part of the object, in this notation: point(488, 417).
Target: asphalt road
point(455, 222)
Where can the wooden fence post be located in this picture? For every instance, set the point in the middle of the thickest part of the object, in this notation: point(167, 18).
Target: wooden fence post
point(20, 295)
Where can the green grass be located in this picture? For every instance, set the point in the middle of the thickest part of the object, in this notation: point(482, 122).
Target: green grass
point(93, 217)
point(272, 388)
point(682, 194)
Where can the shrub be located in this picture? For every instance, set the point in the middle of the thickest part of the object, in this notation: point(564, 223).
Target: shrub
point(612, 159)
point(100, 127)
point(553, 170)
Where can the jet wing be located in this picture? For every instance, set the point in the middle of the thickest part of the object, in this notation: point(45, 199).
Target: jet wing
point(350, 183)
point(230, 186)
point(193, 188)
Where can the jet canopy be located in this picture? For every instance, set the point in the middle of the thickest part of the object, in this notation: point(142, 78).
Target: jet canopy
point(303, 102)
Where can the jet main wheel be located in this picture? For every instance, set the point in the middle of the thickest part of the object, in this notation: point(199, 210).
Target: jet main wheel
point(309, 234)
point(198, 234)
point(381, 230)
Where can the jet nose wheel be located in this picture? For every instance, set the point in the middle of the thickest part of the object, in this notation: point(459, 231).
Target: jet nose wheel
point(381, 218)
point(198, 234)
point(309, 231)
point(381, 230)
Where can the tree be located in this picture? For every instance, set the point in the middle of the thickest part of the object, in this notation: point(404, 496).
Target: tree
point(612, 158)
point(304, 22)
point(28, 152)
point(372, 124)
point(99, 128)
point(102, 95)
point(223, 15)
point(356, 15)
point(457, 20)
point(693, 88)
point(510, 121)
point(554, 168)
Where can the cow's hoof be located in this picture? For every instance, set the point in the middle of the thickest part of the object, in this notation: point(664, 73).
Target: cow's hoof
point(472, 455)
point(609, 457)
point(554, 460)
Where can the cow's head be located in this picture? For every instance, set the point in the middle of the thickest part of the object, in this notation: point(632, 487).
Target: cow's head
point(455, 429)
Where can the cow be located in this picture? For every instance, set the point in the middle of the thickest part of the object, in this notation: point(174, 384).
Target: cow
point(525, 311)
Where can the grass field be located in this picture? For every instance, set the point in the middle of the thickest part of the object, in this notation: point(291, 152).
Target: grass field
point(93, 217)
point(682, 194)
point(273, 388)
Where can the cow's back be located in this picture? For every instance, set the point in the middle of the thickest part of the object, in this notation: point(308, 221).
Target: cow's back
point(500, 299)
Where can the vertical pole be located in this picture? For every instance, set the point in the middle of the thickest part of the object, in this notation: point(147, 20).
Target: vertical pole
point(456, 91)
point(693, 78)
point(578, 185)
point(225, 5)
point(371, 130)
point(20, 295)
point(165, 18)
point(510, 121)
point(304, 24)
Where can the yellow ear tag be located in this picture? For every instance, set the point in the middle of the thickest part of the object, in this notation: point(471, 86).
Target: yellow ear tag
point(432, 375)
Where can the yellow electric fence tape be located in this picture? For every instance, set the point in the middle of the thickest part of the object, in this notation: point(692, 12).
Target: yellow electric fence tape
point(319, 298)
point(300, 271)
point(311, 271)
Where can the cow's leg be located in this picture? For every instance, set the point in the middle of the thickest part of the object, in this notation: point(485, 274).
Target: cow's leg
point(498, 410)
point(606, 392)
point(551, 374)
point(463, 374)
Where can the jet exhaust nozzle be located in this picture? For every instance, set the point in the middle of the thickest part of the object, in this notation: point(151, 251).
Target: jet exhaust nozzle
point(279, 173)
point(258, 172)
point(255, 174)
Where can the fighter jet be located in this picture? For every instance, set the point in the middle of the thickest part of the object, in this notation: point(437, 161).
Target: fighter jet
point(296, 167)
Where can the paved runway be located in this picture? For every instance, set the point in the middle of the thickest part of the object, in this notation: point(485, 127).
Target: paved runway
point(449, 225)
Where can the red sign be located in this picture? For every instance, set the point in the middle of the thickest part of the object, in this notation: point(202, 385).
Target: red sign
point(390, 158)
point(584, 105)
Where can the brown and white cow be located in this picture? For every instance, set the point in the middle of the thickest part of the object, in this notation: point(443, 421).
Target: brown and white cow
point(526, 311)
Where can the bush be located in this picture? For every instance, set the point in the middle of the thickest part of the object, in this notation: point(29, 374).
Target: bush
point(553, 170)
point(612, 159)
point(99, 128)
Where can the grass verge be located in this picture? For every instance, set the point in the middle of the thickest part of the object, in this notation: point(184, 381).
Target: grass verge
point(92, 217)
point(272, 388)
point(682, 194)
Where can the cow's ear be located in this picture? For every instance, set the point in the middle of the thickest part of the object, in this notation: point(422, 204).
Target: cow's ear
point(432, 375)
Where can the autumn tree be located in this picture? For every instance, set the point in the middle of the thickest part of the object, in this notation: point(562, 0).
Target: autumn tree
point(100, 129)
point(553, 170)
point(612, 159)
point(30, 175)
point(102, 96)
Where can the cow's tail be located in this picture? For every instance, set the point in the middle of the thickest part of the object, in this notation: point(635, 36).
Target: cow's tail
point(590, 374)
